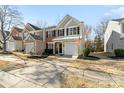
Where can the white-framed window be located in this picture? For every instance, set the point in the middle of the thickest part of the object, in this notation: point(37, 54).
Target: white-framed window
point(50, 34)
point(61, 32)
point(50, 46)
point(73, 31)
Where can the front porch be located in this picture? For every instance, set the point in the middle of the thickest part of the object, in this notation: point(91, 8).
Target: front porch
point(58, 48)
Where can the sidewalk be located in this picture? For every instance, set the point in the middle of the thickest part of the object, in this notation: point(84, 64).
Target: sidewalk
point(11, 81)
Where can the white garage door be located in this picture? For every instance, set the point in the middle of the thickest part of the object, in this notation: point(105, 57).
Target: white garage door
point(29, 47)
point(11, 46)
point(70, 48)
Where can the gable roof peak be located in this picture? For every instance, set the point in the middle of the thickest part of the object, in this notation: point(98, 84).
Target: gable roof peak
point(32, 27)
point(118, 19)
point(68, 15)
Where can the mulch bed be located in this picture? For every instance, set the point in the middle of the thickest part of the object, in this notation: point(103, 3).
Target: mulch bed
point(5, 53)
point(89, 58)
point(114, 57)
point(36, 57)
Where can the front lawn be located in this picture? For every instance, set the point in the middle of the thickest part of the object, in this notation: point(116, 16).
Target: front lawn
point(106, 66)
point(72, 81)
point(8, 66)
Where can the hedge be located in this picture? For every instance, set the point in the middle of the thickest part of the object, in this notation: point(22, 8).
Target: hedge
point(49, 51)
point(86, 52)
point(119, 52)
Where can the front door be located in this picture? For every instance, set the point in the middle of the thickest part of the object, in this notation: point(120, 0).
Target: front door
point(58, 48)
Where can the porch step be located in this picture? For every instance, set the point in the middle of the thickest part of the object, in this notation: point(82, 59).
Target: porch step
point(74, 57)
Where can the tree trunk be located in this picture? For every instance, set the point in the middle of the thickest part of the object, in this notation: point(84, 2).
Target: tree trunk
point(4, 37)
point(4, 46)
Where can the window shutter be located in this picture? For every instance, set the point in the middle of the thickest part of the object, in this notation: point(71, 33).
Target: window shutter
point(63, 32)
point(67, 31)
point(78, 30)
point(46, 34)
point(58, 32)
point(54, 33)
point(46, 45)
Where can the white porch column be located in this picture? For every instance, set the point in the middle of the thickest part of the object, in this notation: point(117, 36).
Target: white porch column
point(65, 34)
point(58, 48)
point(53, 47)
point(62, 48)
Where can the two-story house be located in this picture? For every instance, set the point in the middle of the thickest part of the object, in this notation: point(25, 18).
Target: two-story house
point(114, 35)
point(69, 38)
point(14, 40)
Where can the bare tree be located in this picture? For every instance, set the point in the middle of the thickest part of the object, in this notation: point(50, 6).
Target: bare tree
point(9, 16)
point(41, 24)
point(58, 19)
point(88, 30)
point(99, 34)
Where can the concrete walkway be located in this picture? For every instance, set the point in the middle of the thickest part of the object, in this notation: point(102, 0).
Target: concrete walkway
point(8, 80)
point(50, 74)
point(11, 58)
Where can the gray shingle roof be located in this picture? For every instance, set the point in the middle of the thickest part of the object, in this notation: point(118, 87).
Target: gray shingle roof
point(119, 19)
point(7, 33)
point(17, 38)
point(50, 27)
point(18, 29)
point(36, 37)
point(34, 27)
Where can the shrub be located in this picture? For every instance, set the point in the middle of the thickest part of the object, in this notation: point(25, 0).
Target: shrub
point(92, 49)
point(86, 52)
point(48, 51)
point(119, 52)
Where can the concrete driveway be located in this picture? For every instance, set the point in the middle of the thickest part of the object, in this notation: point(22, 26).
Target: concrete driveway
point(50, 74)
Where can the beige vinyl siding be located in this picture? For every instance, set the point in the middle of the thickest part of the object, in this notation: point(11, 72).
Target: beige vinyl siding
point(19, 45)
point(38, 47)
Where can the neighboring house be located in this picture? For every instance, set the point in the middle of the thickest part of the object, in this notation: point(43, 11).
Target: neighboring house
point(14, 40)
point(33, 39)
point(114, 35)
